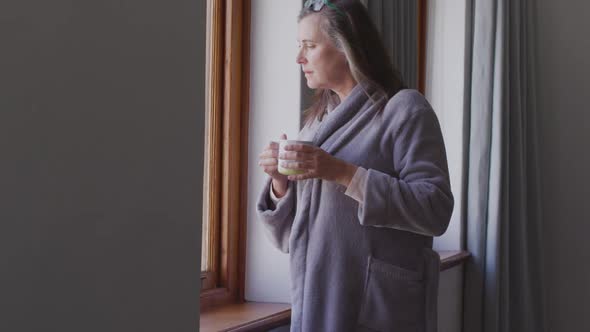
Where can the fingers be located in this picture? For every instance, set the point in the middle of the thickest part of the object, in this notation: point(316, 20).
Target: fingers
point(300, 147)
point(272, 145)
point(283, 136)
point(300, 165)
point(268, 162)
point(269, 166)
point(295, 155)
point(304, 176)
point(270, 170)
point(269, 153)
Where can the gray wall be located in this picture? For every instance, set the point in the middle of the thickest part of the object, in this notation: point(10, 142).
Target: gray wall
point(564, 79)
point(101, 128)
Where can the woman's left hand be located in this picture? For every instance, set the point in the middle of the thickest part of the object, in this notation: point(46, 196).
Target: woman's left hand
point(316, 163)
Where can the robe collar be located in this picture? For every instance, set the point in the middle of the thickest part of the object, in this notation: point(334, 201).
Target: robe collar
point(357, 100)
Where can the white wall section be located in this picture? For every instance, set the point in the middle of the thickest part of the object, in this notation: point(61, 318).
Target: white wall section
point(274, 109)
point(445, 71)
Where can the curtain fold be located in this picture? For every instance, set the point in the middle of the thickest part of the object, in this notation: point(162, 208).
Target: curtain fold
point(397, 21)
point(502, 224)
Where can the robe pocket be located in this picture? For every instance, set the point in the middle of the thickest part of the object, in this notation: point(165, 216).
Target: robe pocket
point(393, 299)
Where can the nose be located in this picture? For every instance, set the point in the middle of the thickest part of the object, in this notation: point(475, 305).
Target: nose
point(300, 59)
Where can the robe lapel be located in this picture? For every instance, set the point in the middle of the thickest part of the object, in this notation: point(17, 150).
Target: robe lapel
point(340, 115)
point(355, 105)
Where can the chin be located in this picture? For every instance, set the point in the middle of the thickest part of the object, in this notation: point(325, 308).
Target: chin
point(312, 85)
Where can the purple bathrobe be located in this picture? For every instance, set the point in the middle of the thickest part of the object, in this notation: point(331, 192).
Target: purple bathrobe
point(369, 266)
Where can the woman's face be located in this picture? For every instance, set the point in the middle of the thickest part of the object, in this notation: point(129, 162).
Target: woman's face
point(324, 65)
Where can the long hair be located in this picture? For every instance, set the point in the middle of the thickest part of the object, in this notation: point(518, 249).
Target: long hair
point(353, 32)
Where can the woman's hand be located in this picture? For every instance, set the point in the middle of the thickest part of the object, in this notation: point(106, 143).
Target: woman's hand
point(269, 163)
point(316, 163)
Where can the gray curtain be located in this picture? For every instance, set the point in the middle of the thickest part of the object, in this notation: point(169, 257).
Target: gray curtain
point(502, 222)
point(397, 21)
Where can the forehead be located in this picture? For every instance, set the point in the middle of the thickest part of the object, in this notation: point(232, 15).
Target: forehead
point(309, 29)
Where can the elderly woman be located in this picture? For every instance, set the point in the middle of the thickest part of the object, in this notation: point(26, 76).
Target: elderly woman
point(358, 222)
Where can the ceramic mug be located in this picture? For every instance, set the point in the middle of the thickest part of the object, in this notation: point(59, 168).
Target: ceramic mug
point(282, 144)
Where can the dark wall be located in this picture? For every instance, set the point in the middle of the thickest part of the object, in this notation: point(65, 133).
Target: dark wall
point(101, 130)
point(563, 81)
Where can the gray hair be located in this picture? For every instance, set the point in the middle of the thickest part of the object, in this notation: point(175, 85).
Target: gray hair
point(353, 32)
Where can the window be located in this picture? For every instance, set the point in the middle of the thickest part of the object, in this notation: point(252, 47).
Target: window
point(226, 151)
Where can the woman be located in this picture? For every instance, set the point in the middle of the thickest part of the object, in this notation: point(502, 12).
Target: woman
point(358, 224)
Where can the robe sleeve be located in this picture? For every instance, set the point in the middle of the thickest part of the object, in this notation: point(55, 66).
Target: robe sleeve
point(418, 199)
point(277, 219)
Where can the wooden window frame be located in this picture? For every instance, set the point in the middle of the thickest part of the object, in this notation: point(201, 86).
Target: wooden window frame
point(226, 162)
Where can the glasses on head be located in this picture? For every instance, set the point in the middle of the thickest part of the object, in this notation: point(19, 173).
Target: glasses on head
point(317, 5)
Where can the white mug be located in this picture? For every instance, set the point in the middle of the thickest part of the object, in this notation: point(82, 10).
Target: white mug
point(282, 144)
